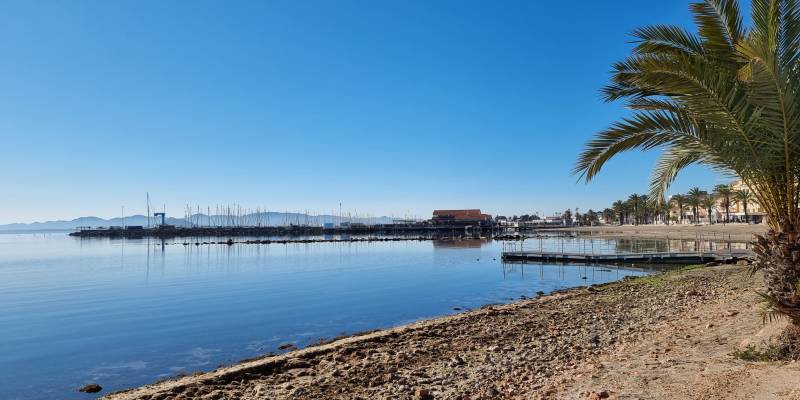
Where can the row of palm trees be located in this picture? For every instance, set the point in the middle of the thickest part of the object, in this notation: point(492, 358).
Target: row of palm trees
point(724, 195)
point(637, 209)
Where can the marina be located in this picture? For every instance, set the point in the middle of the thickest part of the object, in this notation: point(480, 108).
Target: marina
point(291, 230)
point(255, 223)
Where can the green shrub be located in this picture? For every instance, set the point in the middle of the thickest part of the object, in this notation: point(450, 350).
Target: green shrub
point(769, 353)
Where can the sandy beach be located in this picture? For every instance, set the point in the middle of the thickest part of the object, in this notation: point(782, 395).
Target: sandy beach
point(666, 336)
point(734, 232)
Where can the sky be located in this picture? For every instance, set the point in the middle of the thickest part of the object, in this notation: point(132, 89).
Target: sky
point(389, 107)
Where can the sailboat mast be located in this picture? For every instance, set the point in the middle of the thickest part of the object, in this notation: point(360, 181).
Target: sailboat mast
point(148, 210)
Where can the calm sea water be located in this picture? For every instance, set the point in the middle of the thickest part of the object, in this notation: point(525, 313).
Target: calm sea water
point(122, 313)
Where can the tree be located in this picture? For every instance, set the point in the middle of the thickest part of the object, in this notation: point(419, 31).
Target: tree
point(661, 210)
point(664, 209)
point(567, 217)
point(694, 198)
point(724, 193)
point(708, 202)
point(644, 209)
point(591, 217)
point(609, 214)
point(633, 200)
point(743, 197)
point(727, 97)
point(680, 201)
point(620, 209)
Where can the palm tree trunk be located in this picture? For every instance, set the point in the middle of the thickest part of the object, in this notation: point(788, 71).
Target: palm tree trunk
point(746, 219)
point(778, 255)
point(727, 212)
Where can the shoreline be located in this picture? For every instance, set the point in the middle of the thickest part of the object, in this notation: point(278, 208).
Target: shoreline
point(660, 336)
point(721, 232)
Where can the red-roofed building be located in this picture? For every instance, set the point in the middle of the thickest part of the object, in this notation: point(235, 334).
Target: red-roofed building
point(460, 217)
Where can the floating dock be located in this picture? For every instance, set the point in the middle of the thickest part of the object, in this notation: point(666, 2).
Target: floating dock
point(675, 258)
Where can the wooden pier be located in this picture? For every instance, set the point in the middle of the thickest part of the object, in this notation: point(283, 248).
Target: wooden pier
point(675, 258)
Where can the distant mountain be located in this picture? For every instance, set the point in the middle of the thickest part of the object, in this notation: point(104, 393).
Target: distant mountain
point(262, 219)
point(85, 221)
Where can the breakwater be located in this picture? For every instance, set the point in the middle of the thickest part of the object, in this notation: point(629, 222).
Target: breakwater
point(165, 232)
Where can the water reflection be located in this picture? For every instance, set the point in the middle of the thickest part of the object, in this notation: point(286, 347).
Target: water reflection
point(459, 243)
point(590, 245)
point(128, 311)
point(590, 272)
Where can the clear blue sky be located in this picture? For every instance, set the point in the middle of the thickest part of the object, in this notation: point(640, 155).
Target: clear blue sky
point(391, 107)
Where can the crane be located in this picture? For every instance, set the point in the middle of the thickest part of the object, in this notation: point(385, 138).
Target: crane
point(162, 215)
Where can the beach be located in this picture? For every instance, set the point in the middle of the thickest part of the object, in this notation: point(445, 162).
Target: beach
point(733, 232)
point(664, 336)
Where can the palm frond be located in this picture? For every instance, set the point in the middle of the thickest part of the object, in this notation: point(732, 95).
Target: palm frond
point(644, 131)
point(666, 39)
point(672, 161)
point(770, 311)
point(720, 26)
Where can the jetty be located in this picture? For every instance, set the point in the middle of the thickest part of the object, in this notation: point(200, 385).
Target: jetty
point(671, 257)
point(170, 231)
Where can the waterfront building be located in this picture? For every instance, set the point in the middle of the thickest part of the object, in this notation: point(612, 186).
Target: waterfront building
point(461, 217)
point(554, 220)
point(755, 213)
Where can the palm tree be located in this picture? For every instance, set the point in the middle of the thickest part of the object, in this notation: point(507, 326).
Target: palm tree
point(590, 217)
point(708, 203)
point(620, 209)
point(645, 208)
point(628, 208)
point(633, 200)
point(724, 193)
point(680, 201)
point(609, 214)
point(727, 97)
point(662, 209)
point(694, 198)
point(743, 197)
